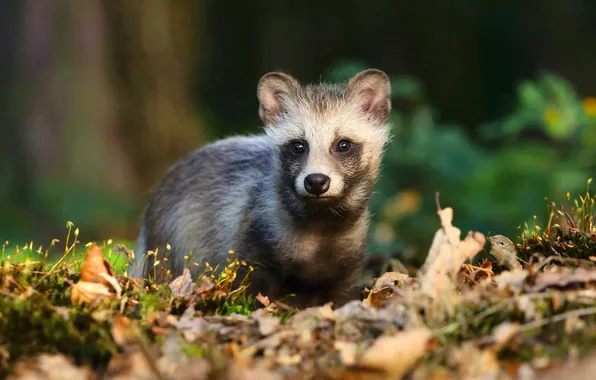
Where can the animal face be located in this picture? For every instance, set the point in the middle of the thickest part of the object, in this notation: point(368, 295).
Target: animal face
point(329, 138)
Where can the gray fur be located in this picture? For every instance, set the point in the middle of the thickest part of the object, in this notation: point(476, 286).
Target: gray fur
point(242, 194)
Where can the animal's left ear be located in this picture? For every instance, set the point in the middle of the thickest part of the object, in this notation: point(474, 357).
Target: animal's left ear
point(372, 90)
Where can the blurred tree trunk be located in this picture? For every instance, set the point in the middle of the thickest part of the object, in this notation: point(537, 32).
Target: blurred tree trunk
point(153, 44)
point(69, 120)
point(96, 137)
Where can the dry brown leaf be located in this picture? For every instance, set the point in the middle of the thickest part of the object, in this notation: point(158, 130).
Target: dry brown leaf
point(327, 312)
point(173, 358)
point(129, 366)
point(190, 326)
point(267, 323)
point(49, 367)
point(205, 287)
point(526, 304)
point(183, 285)
point(376, 298)
point(313, 315)
point(511, 280)
point(503, 334)
point(384, 286)
point(446, 256)
point(94, 264)
point(193, 368)
point(582, 369)
point(97, 281)
point(90, 292)
point(114, 283)
point(474, 363)
point(122, 330)
point(239, 371)
point(274, 340)
point(562, 277)
point(398, 353)
point(348, 352)
point(264, 300)
point(471, 275)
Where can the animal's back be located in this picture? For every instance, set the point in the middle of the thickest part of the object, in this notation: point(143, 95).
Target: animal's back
point(201, 203)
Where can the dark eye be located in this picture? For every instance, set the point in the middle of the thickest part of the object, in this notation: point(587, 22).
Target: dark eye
point(298, 147)
point(343, 146)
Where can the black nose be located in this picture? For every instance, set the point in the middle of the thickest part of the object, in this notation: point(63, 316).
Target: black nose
point(317, 183)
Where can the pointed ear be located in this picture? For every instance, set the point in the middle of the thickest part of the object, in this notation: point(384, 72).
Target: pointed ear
point(372, 90)
point(274, 91)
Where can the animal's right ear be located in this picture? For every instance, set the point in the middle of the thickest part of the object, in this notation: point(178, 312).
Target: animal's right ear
point(274, 92)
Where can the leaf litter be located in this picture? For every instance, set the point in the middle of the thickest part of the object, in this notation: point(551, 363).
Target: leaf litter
point(461, 316)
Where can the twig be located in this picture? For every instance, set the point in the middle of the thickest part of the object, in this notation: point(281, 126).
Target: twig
point(557, 318)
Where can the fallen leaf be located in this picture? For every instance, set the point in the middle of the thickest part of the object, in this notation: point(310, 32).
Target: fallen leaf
point(274, 340)
point(503, 333)
point(193, 368)
point(582, 369)
point(376, 298)
point(348, 352)
point(446, 256)
point(97, 281)
point(128, 366)
point(122, 330)
point(398, 353)
point(238, 371)
point(327, 312)
point(384, 288)
point(205, 287)
point(94, 264)
point(267, 323)
point(173, 358)
point(182, 285)
point(90, 292)
point(190, 326)
point(511, 280)
point(112, 281)
point(50, 367)
point(474, 363)
point(563, 277)
point(287, 359)
point(526, 304)
point(263, 299)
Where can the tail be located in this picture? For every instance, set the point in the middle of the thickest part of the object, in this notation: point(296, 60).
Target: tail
point(136, 269)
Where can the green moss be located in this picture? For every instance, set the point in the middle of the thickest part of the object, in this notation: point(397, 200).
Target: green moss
point(570, 231)
point(194, 350)
point(243, 304)
point(33, 325)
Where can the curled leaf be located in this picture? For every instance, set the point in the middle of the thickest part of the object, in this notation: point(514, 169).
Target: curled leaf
point(94, 265)
point(398, 353)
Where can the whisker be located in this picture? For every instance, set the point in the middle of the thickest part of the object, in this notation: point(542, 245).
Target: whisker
point(335, 212)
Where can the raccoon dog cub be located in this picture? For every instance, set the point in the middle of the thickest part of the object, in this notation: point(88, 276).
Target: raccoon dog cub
point(292, 202)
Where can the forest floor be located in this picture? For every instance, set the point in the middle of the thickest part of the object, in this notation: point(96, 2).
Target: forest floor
point(526, 311)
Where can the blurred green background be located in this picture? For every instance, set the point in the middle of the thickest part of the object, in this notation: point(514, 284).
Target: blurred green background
point(494, 103)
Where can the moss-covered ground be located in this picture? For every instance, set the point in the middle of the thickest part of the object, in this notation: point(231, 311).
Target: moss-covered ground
point(537, 316)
